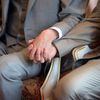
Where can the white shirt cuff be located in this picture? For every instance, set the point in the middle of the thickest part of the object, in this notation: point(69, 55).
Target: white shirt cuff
point(58, 31)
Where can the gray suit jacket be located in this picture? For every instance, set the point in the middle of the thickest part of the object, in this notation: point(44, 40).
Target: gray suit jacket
point(42, 14)
point(86, 32)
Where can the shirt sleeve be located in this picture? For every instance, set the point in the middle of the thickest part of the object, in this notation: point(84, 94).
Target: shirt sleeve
point(58, 31)
point(70, 14)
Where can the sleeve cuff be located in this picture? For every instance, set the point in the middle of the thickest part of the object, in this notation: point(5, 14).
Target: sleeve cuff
point(58, 31)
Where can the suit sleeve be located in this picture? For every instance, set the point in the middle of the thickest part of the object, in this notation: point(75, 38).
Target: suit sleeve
point(71, 12)
point(86, 32)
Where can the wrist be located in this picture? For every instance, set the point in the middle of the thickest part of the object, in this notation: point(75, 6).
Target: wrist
point(50, 34)
point(59, 32)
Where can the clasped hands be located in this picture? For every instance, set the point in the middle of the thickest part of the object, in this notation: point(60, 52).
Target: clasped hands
point(41, 48)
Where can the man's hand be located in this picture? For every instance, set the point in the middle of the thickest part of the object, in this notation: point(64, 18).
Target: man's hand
point(41, 48)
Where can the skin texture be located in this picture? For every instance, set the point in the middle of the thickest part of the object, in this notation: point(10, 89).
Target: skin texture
point(41, 48)
point(92, 4)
